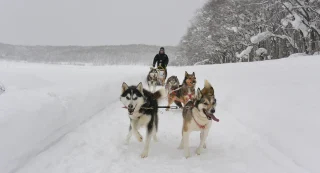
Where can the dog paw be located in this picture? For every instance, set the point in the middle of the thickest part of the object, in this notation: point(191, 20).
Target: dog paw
point(139, 137)
point(187, 156)
point(167, 109)
point(155, 139)
point(144, 154)
point(198, 151)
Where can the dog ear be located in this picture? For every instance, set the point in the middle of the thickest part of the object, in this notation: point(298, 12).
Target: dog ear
point(193, 74)
point(140, 88)
point(186, 74)
point(207, 84)
point(199, 94)
point(124, 87)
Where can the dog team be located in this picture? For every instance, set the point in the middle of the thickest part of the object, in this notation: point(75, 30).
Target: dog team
point(198, 108)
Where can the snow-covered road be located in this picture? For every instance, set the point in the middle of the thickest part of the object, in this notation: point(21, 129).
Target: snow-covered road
point(269, 119)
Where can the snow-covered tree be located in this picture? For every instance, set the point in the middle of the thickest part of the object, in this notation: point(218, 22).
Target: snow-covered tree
point(224, 30)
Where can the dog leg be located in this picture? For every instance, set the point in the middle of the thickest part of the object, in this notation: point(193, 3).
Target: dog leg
point(170, 101)
point(154, 87)
point(129, 135)
point(186, 144)
point(149, 86)
point(145, 151)
point(181, 141)
point(202, 142)
point(155, 138)
point(181, 144)
point(178, 104)
point(135, 132)
point(201, 136)
point(155, 135)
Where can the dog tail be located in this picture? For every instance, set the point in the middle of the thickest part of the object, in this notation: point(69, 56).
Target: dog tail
point(161, 93)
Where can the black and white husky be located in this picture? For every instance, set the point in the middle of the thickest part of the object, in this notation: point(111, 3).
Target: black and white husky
point(142, 108)
point(152, 78)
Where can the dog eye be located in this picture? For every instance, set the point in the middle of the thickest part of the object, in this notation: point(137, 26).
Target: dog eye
point(128, 98)
point(206, 104)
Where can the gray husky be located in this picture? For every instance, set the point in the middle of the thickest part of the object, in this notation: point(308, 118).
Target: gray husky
point(142, 108)
point(172, 84)
point(152, 78)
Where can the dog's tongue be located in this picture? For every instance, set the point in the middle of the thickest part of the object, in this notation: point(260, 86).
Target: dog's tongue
point(213, 117)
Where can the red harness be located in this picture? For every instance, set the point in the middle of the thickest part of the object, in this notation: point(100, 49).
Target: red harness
point(190, 96)
point(199, 125)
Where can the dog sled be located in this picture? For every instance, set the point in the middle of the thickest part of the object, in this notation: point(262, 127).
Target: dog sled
point(161, 76)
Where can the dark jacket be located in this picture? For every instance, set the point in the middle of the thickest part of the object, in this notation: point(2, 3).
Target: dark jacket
point(161, 59)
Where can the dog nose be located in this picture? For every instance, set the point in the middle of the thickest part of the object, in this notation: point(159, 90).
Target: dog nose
point(212, 111)
point(130, 106)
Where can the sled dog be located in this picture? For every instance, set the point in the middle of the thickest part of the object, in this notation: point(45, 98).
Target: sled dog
point(142, 108)
point(152, 79)
point(172, 84)
point(185, 92)
point(197, 116)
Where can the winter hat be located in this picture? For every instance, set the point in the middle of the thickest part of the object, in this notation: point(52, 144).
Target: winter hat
point(162, 48)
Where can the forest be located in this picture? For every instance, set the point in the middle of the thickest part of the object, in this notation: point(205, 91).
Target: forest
point(230, 31)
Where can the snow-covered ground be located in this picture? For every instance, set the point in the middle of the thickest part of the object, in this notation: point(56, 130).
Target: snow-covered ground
point(68, 119)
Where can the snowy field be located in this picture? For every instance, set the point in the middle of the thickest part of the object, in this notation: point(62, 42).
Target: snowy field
point(68, 119)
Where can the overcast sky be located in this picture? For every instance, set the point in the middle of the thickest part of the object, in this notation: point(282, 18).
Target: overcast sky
point(95, 22)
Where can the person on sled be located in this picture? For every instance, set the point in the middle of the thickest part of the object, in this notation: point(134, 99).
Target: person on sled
point(161, 60)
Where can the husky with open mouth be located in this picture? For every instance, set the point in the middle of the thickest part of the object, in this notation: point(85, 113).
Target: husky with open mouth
point(142, 108)
point(198, 116)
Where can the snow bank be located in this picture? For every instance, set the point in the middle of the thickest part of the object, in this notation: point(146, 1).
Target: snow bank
point(44, 102)
point(316, 53)
point(298, 55)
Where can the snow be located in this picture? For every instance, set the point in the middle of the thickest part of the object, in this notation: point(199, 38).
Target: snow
point(245, 53)
point(298, 55)
point(285, 22)
point(264, 35)
point(44, 102)
point(234, 29)
point(2, 88)
point(260, 37)
point(261, 51)
point(201, 62)
point(68, 119)
point(297, 23)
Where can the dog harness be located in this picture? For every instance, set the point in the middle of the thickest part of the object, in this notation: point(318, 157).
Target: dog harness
point(190, 96)
point(199, 125)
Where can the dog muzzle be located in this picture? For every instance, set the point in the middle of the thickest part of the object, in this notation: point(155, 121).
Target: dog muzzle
point(210, 115)
point(130, 109)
